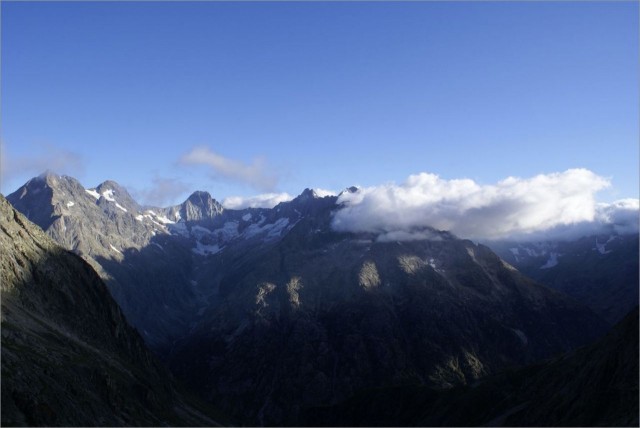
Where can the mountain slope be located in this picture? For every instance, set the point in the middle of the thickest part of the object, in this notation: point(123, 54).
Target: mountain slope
point(68, 355)
point(599, 271)
point(319, 315)
point(593, 386)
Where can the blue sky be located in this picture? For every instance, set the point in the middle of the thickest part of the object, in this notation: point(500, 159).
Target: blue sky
point(326, 95)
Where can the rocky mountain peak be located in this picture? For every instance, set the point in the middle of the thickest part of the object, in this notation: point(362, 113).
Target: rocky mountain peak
point(200, 206)
point(352, 189)
point(50, 179)
point(41, 197)
point(308, 193)
point(114, 192)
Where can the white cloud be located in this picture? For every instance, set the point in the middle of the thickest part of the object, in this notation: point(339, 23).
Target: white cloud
point(163, 191)
point(266, 200)
point(324, 192)
point(45, 157)
point(512, 207)
point(256, 174)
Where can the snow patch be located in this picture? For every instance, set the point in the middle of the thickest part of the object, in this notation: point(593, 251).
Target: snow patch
point(246, 217)
point(108, 195)
point(121, 207)
point(551, 262)
point(93, 193)
point(70, 204)
point(164, 220)
point(200, 231)
point(115, 249)
point(139, 217)
point(179, 228)
point(602, 247)
point(228, 231)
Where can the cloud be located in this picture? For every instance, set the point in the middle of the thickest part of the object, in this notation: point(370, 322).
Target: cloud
point(162, 192)
point(267, 200)
point(324, 192)
point(514, 207)
point(255, 175)
point(44, 157)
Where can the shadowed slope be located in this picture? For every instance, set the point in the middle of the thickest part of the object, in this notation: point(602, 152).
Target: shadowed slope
point(596, 385)
point(68, 355)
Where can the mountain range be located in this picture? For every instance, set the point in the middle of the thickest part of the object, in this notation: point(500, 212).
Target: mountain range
point(270, 313)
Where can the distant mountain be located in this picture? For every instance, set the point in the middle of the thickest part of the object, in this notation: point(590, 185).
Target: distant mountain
point(600, 271)
point(69, 358)
point(593, 386)
point(270, 312)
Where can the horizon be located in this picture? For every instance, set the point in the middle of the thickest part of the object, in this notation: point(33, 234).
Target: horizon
point(242, 100)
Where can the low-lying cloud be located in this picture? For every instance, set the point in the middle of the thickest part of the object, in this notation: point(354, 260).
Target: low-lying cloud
point(256, 174)
point(514, 208)
point(266, 200)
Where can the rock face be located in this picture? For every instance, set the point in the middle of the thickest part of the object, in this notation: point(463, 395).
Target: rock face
point(593, 386)
point(68, 355)
point(600, 271)
point(200, 206)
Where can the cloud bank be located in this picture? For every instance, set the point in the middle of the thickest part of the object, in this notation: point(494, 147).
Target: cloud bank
point(255, 175)
point(514, 208)
point(267, 200)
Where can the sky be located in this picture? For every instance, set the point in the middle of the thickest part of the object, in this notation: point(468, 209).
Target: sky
point(255, 101)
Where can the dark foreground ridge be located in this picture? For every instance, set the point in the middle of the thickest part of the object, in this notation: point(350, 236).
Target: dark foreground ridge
point(593, 386)
point(69, 358)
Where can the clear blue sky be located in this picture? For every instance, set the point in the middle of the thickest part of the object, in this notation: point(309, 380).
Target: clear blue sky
point(326, 94)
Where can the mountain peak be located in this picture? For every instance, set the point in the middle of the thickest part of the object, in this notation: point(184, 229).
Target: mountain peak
point(199, 206)
point(309, 193)
point(200, 196)
point(109, 184)
point(114, 192)
point(51, 178)
point(47, 174)
point(352, 189)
